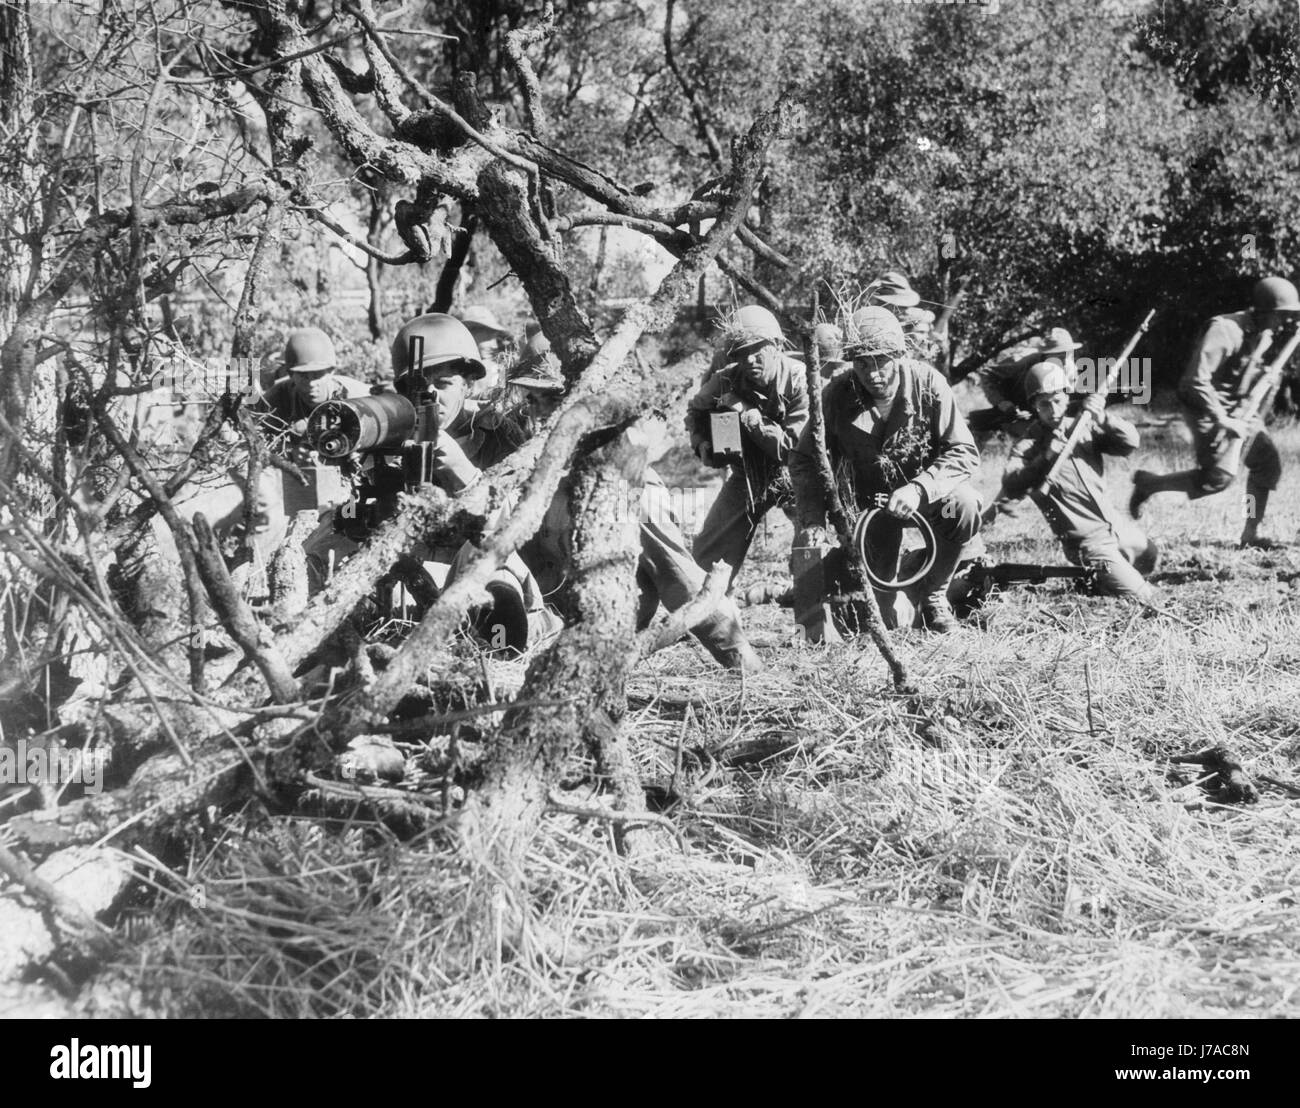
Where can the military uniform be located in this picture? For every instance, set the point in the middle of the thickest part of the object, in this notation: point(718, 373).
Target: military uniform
point(775, 414)
point(1091, 531)
point(923, 440)
point(1211, 384)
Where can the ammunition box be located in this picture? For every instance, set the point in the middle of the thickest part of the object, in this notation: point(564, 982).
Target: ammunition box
point(724, 434)
point(325, 488)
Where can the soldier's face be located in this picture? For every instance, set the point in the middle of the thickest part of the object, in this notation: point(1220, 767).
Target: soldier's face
point(753, 363)
point(877, 373)
point(1050, 407)
point(450, 389)
point(313, 388)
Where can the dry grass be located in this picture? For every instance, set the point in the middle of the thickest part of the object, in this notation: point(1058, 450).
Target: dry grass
point(1012, 843)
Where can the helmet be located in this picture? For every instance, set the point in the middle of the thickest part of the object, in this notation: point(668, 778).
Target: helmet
point(483, 324)
point(1275, 294)
point(537, 367)
point(309, 350)
point(829, 341)
point(1044, 378)
point(894, 289)
point(753, 323)
point(873, 331)
point(444, 339)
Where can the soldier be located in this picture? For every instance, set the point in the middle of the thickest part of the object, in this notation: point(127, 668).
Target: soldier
point(533, 387)
point(765, 393)
point(666, 574)
point(1003, 383)
point(894, 432)
point(1075, 505)
point(829, 342)
point(1214, 381)
point(310, 378)
point(494, 343)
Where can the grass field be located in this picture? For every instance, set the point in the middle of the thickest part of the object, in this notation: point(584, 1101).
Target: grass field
point(1012, 842)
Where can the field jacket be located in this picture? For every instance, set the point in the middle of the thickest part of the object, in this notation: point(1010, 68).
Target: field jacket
point(924, 441)
point(1075, 504)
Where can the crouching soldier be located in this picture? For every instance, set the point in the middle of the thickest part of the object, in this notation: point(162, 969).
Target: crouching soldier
point(747, 417)
point(310, 377)
point(665, 572)
point(1226, 362)
point(1074, 503)
point(894, 437)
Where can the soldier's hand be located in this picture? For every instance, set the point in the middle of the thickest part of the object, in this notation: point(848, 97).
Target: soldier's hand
point(751, 419)
point(1234, 428)
point(705, 453)
point(904, 501)
point(1095, 405)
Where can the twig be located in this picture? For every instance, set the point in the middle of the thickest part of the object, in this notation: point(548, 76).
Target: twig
point(236, 617)
point(18, 870)
point(613, 815)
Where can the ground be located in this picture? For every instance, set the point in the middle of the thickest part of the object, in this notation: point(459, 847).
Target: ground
point(1012, 842)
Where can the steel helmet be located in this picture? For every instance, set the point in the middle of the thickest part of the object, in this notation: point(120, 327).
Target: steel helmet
point(1044, 378)
point(754, 323)
point(873, 330)
point(444, 339)
point(1275, 294)
point(829, 341)
point(309, 350)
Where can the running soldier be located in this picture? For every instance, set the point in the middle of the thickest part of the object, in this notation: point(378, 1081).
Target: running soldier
point(1215, 380)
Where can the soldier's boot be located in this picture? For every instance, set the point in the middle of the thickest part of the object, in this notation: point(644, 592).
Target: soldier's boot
point(1257, 501)
point(1146, 484)
point(723, 637)
point(1145, 562)
point(936, 612)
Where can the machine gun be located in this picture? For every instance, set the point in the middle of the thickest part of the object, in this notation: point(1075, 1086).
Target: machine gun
point(394, 436)
point(973, 584)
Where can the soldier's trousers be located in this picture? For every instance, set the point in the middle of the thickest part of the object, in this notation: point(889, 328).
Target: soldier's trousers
point(1117, 556)
point(1262, 461)
point(666, 574)
point(728, 530)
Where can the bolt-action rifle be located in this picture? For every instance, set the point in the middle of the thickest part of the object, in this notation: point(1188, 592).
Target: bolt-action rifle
point(1083, 423)
point(976, 582)
point(1250, 408)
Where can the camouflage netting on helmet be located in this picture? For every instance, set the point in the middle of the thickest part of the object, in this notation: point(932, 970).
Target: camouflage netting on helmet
point(872, 331)
point(748, 324)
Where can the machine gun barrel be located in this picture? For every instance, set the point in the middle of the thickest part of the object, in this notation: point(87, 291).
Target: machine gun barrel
point(338, 428)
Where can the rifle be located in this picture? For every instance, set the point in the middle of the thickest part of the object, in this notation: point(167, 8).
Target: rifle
point(1250, 408)
point(974, 584)
point(1084, 421)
